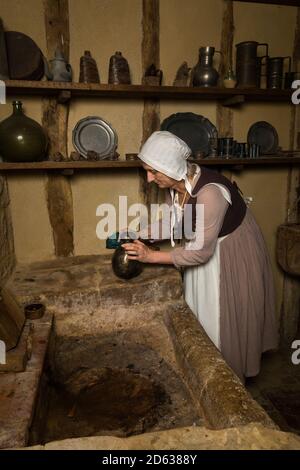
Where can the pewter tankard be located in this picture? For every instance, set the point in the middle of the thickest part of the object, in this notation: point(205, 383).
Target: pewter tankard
point(248, 63)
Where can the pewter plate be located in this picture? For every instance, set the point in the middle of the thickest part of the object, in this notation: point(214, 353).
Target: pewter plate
point(265, 135)
point(93, 133)
point(194, 129)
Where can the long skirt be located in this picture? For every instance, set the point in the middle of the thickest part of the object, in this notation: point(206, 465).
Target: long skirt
point(233, 297)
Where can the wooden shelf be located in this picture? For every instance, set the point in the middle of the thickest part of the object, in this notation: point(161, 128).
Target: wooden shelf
point(292, 3)
point(69, 165)
point(260, 161)
point(66, 90)
point(112, 164)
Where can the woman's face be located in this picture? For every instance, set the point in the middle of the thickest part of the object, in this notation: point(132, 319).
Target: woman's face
point(160, 179)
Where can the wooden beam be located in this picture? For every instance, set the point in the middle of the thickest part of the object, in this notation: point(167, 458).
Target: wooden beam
point(64, 96)
point(150, 42)
point(57, 26)
point(290, 314)
point(234, 101)
point(60, 207)
point(7, 250)
point(55, 120)
point(225, 115)
point(151, 113)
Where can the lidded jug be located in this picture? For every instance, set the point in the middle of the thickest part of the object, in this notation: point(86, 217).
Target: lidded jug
point(204, 74)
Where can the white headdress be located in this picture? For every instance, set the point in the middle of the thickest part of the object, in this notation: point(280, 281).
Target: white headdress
point(167, 153)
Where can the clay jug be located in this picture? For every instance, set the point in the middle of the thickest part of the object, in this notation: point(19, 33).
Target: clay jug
point(118, 70)
point(22, 139)
point(88, 69)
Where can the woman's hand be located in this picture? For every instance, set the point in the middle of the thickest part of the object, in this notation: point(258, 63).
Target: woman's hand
point(138, 251)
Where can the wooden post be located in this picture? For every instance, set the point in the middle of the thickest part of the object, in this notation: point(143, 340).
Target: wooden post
point(151, 114)
point(290, 308)
point(55, 120)
point(7, 251)
point(225, 114)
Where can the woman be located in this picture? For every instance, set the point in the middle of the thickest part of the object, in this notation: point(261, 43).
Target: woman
point(227, 277)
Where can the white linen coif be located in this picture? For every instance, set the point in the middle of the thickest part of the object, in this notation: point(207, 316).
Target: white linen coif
point(166, 153)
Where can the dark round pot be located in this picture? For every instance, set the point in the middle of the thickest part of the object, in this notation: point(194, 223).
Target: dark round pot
point(123, 267)
point(22, 139)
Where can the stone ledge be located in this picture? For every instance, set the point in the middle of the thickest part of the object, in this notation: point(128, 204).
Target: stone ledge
point(288, 248)
point(18, 390)
point(217, 391)
point(16, 358)
point(249, 437)
point(89, 282)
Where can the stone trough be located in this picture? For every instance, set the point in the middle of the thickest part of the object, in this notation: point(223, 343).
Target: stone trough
point(117, 359)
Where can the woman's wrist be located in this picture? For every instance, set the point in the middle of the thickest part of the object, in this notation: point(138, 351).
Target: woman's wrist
point(159, 257)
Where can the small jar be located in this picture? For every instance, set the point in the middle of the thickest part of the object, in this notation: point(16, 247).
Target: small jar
point(229, 79)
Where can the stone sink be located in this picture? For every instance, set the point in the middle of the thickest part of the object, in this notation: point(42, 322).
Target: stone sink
point(288, 248)
point(119, 360)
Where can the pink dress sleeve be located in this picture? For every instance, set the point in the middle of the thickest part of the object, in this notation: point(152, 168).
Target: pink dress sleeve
point(158, 230)
point(215, 207)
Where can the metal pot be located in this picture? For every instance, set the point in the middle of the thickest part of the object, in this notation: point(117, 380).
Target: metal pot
point(59, 70)
point(122, 266)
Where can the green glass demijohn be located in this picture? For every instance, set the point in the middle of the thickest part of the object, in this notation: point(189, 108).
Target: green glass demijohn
point(22, 139)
